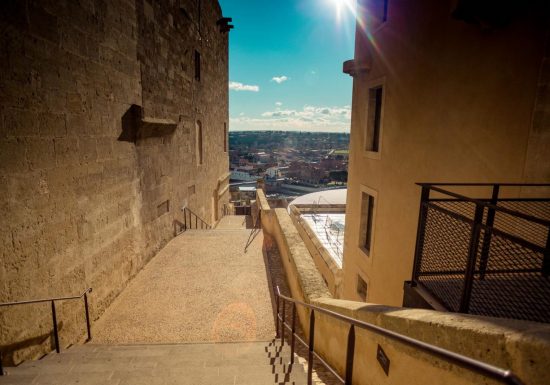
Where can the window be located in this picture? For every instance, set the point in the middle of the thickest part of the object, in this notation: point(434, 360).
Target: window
point(225, 137)
point(362, 288)
point(367, 221)
point(197, 66)
point(199, 142)
point(378, 9)
point(374, 119)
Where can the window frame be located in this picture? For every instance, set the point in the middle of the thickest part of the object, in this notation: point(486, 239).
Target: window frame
point(357, 284)
point(367, 222)
point(197, 59)
point(225, 138)
point(199, 143)
point(373, 85)
point(380, 23)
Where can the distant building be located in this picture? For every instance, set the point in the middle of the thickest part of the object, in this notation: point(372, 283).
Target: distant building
point(241, 175)
point(272, 172)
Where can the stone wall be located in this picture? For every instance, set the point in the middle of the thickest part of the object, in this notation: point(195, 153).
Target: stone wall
point(537, 166)
point(98, 148)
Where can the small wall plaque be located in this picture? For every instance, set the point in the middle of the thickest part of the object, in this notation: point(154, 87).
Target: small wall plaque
point(383, 360)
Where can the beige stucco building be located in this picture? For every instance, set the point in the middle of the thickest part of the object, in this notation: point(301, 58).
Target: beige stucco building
point(444, 91)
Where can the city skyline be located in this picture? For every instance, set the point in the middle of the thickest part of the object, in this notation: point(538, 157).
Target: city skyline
point(295, 86)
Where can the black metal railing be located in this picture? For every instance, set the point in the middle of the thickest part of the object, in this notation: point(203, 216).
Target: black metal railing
point(192, 221)
point(52, 301)
point(482, 368)
point(489, 255)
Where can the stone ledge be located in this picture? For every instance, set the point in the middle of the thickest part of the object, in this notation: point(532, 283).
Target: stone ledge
point(521, 346)
point(261, 198)
point(136, 126)
point(311, 282)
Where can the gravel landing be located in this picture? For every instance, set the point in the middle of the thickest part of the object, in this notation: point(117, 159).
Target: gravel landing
point(202, 287)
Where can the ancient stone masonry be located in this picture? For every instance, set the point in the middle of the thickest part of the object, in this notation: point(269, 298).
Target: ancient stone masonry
point(100, 104)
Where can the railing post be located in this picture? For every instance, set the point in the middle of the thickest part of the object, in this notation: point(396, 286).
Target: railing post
point(310, 352)
point(185, 218)
point(277, 301)
point(546, 257)
point(293, 338)
point(55, 332)
point(420, 232)
point(471, 263)
point(349, 355)
point(86, 307)
point(485, 248)
point(283, 324)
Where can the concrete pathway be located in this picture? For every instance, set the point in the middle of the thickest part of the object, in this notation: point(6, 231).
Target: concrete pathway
point(202, 287)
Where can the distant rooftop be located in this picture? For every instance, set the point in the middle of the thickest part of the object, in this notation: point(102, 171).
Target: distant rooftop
point(247, 188)
point(325, 197)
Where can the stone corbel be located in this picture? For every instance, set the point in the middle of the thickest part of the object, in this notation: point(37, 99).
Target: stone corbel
point(136, 126)
point(224, 25)
point(355, 67)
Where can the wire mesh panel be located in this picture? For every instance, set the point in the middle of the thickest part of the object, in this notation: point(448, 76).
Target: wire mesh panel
point(491, 264)
point(445, 255)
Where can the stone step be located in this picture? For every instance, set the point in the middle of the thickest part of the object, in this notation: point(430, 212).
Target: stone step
point(115, 375)
point(255, 363)
point(192, 352)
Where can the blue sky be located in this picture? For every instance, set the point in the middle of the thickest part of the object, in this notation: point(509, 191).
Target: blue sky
point(285, 66)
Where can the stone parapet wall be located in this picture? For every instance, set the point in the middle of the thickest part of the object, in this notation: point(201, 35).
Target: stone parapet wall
point(523, 347)
point(331, 273)
point(81, 202)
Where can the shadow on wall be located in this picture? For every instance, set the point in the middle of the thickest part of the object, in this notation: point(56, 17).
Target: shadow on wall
point(130, 124)
point(42, 339)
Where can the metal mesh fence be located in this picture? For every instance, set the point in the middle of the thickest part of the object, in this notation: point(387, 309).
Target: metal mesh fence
point(507, 277)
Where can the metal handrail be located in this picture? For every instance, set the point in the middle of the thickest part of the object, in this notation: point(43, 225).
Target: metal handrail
point(54, 316)
point(487, 184)
point(198, 220)
point(494, 372)
point(487, 203)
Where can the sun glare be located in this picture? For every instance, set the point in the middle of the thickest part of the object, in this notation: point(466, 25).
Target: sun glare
point(341, 6)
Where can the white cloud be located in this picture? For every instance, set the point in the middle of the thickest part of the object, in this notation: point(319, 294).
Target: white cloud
point(236, 86)
point(278, 104)
point(309, 118)
point(280, 79)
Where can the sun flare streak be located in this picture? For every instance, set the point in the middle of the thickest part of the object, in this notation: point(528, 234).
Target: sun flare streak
point(341, 6)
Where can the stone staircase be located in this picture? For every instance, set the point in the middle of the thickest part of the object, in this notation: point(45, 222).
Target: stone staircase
point(235, 222)
point(241, 363)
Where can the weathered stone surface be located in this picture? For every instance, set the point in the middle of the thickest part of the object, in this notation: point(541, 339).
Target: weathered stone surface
point(79, 207)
